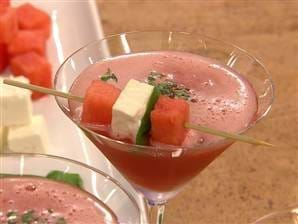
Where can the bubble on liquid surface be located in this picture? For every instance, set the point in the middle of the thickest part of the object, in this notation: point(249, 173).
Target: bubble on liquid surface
point(30, 187)
point(208, 83)
point(201, 140)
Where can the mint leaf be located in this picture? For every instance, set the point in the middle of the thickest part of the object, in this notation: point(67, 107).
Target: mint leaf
point(109, 75)
point(69, 178)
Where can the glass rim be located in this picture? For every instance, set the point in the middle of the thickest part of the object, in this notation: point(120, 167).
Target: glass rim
point(166, 148)
point(97, 171)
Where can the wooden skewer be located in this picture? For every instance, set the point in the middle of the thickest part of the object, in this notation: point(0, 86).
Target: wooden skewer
point(242, 138)
point(42, 90)
point(236, 137)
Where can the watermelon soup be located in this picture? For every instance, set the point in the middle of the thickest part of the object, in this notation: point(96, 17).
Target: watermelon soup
point(30, 198)
point(218, 97)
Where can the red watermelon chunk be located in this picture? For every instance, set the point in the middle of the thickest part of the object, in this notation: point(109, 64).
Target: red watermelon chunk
point(99, 100)
point(26, 41)
point(4, 3)
point(8, 24)
point(32, 18)
point(3, 57)
point(168, 119)
point(34, 67)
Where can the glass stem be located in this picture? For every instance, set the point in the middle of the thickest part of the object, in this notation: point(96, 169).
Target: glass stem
point(156, 213)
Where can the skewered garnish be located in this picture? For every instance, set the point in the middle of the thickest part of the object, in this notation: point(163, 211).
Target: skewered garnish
point(131, 112)
point(99, 100)
point(168, 119)
point(236, 137)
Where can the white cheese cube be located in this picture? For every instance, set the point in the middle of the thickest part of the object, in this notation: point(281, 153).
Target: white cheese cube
point(129, 109)
point(3, 138)
point(31, 138)
point(15, 104)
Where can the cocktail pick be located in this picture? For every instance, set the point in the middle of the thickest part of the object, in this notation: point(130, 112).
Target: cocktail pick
point(44, 90)
point(236, 137)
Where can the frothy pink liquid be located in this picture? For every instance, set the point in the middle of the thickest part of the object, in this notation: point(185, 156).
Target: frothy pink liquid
point(224, 99)
point(39, 194)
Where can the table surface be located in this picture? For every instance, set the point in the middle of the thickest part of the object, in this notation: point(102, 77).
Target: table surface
point(245, 182)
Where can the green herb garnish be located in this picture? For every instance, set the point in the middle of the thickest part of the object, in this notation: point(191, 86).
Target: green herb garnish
point(12, 217)
point(168, 87)
point(11, 213)
point(109, 75)
point(27, 217)
point(61, 221)
point(69, 178)
point(142, 134)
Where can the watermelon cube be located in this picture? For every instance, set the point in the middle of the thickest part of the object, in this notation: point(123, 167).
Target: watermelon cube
point(26, 41)
point(32, 18)
point(34, 67)
point(8, 24)
point(167, 120)
point(99, 100)
point(4, 3)
point(3, 57)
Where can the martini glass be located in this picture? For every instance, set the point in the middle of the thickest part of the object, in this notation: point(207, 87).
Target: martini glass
point(95, 182)
point(159, 173)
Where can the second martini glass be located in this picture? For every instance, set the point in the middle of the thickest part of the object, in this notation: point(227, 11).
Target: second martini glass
point(159, 173)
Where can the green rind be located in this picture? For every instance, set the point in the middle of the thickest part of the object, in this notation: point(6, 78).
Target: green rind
point(142, 135)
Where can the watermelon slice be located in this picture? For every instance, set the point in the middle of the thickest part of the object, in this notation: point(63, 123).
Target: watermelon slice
point(3, 57)
point(26, 41)
point(168, 119)
point(34, 67)
point(99, 100)
point(4, 3)
point(8, 24)
point(32, 18)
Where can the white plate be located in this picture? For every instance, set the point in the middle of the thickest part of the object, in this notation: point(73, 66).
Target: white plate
point(74, 24)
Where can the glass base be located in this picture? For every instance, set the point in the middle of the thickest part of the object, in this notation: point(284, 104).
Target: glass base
point(157, 198)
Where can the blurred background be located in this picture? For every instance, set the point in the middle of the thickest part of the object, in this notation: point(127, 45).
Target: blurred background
point(245, 182)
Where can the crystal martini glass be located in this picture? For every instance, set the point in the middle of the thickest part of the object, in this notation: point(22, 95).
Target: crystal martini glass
point(101, 188)
point(159, 173)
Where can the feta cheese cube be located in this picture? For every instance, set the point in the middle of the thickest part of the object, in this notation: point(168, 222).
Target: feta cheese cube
point(30, 138)
point(15, 104)
point(129, 109)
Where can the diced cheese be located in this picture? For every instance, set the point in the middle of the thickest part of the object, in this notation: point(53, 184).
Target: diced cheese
point(31, 138)
point(129, 109)
point(3, 138)
point(15, 104)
